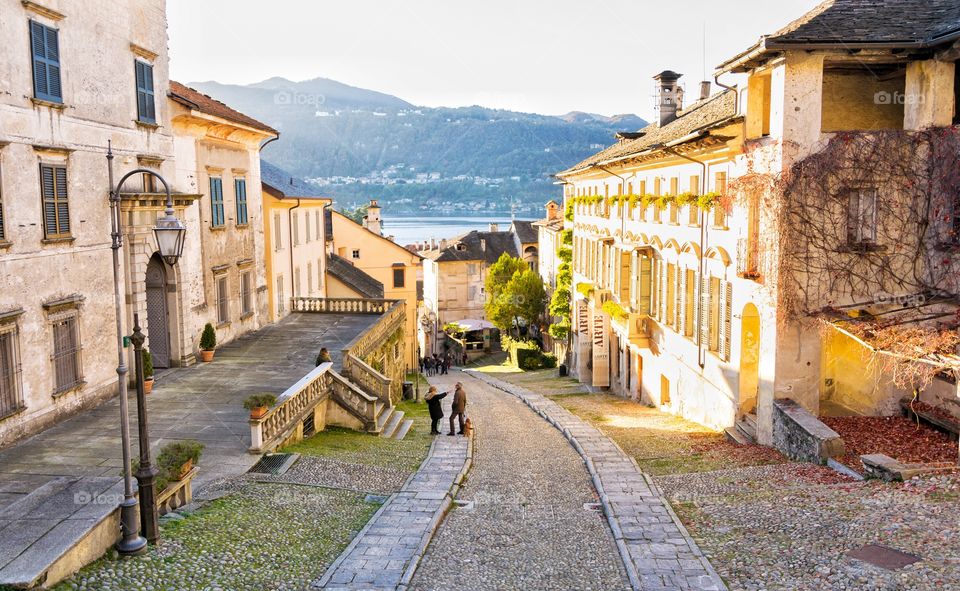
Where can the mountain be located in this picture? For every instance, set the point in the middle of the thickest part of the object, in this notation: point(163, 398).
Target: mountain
point(356, 144)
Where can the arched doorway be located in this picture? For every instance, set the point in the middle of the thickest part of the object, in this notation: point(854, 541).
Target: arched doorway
point(158, 319)
point(749, 359)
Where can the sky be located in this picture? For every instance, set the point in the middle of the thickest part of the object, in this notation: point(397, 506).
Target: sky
point(540, 56)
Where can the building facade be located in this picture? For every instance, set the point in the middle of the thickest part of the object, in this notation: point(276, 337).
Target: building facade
point(700, 263)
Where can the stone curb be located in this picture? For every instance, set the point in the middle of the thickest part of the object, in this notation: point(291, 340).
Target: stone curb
point(632, 573)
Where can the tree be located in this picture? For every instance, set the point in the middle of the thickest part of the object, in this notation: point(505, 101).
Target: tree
point(520, 301)
point(501, 272)
point(357, 214)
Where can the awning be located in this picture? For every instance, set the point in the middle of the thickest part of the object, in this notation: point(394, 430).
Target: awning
point(471, 324)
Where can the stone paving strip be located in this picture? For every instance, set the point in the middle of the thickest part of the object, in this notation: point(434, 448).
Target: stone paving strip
point(386, 552)
point(656, 549)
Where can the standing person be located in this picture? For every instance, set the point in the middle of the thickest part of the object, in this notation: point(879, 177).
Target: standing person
point(429, 363)
point(445, 363)
point(459, 407)
point(323, 356)
point(436, 412)
point(420, 361)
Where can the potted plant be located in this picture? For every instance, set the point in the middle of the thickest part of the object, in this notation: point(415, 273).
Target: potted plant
point(177, 459)
point(208, 342)
point(258, 404)
point(147, 371)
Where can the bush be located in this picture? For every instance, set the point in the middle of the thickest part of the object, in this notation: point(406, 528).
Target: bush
point(549, 360)
point(526, 354)
point(208, 340)
point(147, 364)
point(173, 456)
point(267, 399)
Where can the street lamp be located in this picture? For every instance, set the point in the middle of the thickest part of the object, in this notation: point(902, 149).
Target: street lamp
point(170, 233)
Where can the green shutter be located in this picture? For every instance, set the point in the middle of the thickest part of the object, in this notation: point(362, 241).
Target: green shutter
point(45, 47)
point(240, 190)
point(146, 103)
point(216, 201)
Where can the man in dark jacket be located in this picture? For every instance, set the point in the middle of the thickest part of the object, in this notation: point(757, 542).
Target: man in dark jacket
point(459, 407)
point(436, 413)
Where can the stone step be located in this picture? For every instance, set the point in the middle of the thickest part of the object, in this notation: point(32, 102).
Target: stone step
point(58, 528)
point(751, 419)
point(747, 430)
point(391, 426)
point(385, 413)
point(403, 430)
point(733, 434)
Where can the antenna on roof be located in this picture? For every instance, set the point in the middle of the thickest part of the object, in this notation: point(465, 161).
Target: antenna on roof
point(704, 48)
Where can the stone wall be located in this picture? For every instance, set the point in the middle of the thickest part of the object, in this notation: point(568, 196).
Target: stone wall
point(801, 436)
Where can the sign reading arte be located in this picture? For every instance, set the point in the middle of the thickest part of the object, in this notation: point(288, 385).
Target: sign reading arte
point(601, 349)
point(583, 319)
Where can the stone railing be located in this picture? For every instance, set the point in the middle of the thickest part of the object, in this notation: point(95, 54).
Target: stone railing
point(355, 401)
point(387, 388)
point(341, 305)
point(368, 378)
point(282, 420)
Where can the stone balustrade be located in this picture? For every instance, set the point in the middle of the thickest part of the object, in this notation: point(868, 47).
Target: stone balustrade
point(282, 419)
point(342, 305)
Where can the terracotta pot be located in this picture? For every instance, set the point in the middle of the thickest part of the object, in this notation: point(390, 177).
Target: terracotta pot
point(258, 412)
point(206, 356)
point(185, 469)
point(148, 385)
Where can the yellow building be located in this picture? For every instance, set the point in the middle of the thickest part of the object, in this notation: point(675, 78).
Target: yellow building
point(295, 234)
point(364, 264)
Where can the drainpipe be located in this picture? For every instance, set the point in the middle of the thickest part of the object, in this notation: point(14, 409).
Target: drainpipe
point(701, 353)
point(716, 79)
point(293, 284)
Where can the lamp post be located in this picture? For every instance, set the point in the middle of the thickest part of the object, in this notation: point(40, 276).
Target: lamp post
point(170, 233)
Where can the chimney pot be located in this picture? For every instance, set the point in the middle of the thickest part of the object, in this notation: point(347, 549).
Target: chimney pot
point(704, 89)
point(443, 243)
point(493, 227)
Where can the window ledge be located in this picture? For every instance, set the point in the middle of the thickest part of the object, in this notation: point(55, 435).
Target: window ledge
point(65, 239)
point(217, 228)
point(242, 226)
point(5, 244)
point(45, 103)
point(224, 324)
point(246, 316)
point(862, 248)
point(146, 124)
point(719, 227)
point(75, 388)
point(13, 412)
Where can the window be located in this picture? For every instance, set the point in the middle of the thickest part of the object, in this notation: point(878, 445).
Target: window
point(277, 232)
point(694, 208)
point(714, 314)
point(146, 106)
point(10, 397)
point(309, 277)
point(223, 299)
point(296, 282)
point(66, 352)
point(240, 191)
point(246, 292)
point(671, 298)
point(279, 294)
point(319, 277)
point(356, 253)
point(316, 224)
point(45, 45)
point(306, 227)
point(689, 288)
point(399, 277)
point(56, 212)
point(216, 202)
point(862, 216)
point(295, 230)
point(720, 187)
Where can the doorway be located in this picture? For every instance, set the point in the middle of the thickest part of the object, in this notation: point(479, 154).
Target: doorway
point(749, 359)
point(158, 324)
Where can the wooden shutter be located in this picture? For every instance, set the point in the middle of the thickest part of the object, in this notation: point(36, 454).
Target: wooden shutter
point(726, 309)
point(146, 104)
point(681, 301)
point(45, 47)
point(56, 212)
point(240, 189)
point(697, 319)
point(663, 292)
point(625, 276)
point(216, 201)
point(633, 278)
point(705, 310)
point(645, 285)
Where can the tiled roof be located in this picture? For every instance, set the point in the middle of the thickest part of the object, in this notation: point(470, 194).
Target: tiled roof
point(701, 115)
point(353, 277)
point(475, 245)
point(196, 100)
point(285, 183)
point(865, 23)
point(555, 224)
point(524, 230)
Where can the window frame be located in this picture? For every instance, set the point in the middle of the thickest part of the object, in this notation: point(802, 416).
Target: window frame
point(46, 61)
point(146, 92)
point(222, 294)
point(355, 254)
point(246, 293)
point(58, 202)
point(402, 275)
point(11, 402)
point(240, 196)
point(70, 317)
point(860, 233)
point(217, 215)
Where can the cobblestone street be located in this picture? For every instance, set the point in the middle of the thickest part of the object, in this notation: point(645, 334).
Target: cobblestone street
point(524, 525)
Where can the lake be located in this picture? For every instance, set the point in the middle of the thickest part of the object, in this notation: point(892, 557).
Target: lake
point(409, 229)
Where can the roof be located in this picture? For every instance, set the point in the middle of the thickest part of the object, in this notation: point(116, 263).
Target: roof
point(475, 245)
point(284, 183)
point(197, 101)
point(330, 232)
point(859, 24)
point(554, 225)
point(702, 115)
point(524, 230)
point(355, 278)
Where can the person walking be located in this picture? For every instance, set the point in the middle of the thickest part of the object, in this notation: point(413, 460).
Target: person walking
point(436, 412)
point(459, 408)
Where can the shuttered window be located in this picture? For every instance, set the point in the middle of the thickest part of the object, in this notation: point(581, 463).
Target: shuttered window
point(862, 216)
point(56, 212)
point(705, 309)
point(246, 292)
point(689, 289)
point(240, 191)
point(316, 223)
point(306, 227)
point(671, 295)
point(399, 277)
point(296, 282)
point(277, 232)
point(146, 104)
point(309, 277)
point(45, 47)
point(223, 300)
point(726, 311)
point(714, 318)
point(216, 202)
point(296, 232)
point(10, 394)
point(646, 281)
point(280, 305)
point(66, 353)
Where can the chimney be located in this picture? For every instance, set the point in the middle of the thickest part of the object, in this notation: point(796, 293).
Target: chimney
point(371, 221)
point(493, 227)
point(483, 243)
point(669, 96)
point(443, 243)
point(433, 244)
point(553, 211)
point(704, 89)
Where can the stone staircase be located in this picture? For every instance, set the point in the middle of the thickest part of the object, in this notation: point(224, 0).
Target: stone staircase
point(744, 431)
point(392, 423)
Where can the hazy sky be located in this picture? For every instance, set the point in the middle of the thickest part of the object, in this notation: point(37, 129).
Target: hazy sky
point(543, 56)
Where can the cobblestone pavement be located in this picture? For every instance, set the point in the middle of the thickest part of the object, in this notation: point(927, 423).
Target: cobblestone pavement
point(656, 548)
point(525, 525)
point(386, 553)
point(769, 524)
point(331, 473)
